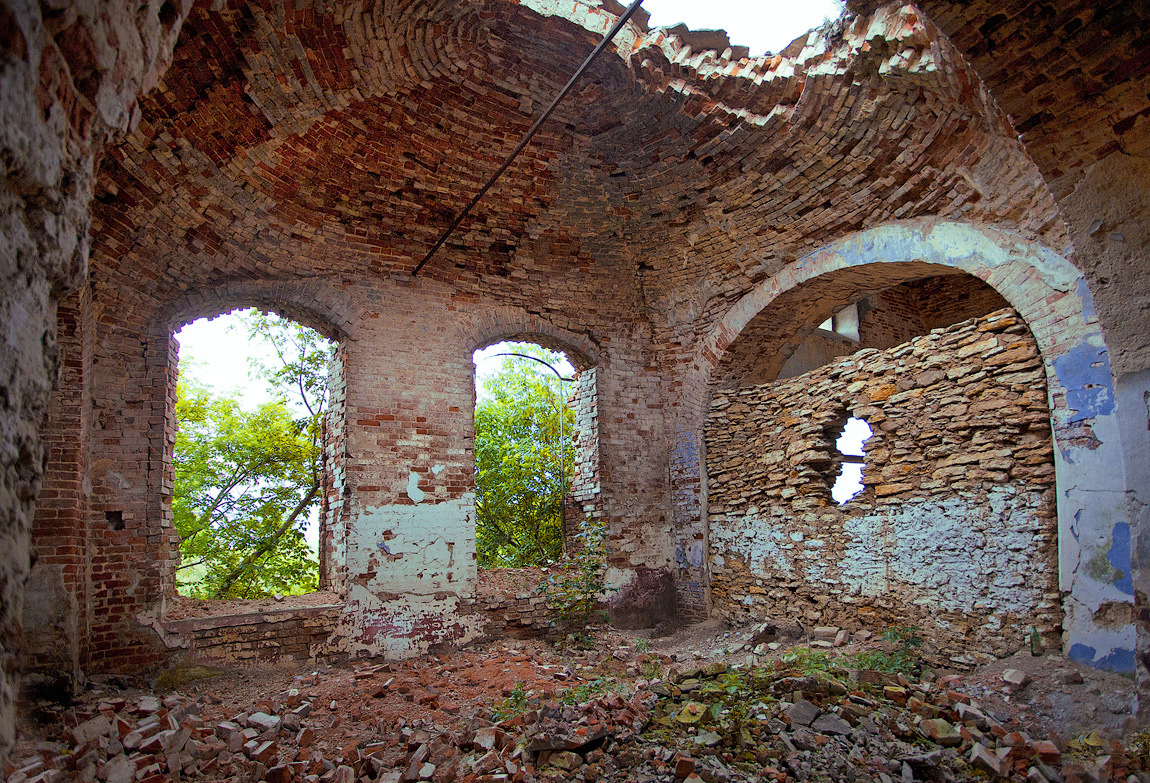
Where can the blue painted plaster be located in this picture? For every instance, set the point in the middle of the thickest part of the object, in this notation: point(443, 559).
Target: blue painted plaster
point(1087, 299)
point(1082, 653)
point(1085, 374)
point(1119, 660)
point(1119, 557)
point(685, 455)
point(681, 558)
point(689, 557)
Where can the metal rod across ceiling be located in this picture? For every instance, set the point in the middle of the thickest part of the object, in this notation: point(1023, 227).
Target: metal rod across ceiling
point(530, 133)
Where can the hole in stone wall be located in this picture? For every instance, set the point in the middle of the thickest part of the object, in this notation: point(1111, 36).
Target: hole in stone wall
point(852, 456)
point(844, 323)
point(115, 519)
point(250, 477)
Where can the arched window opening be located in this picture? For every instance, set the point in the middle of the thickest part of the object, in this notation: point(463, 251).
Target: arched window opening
point(850, 445)
point(525, 453)
point(248, 466)
point(844, 323)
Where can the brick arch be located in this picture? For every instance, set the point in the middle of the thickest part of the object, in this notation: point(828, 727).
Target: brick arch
point(515, 325)
point(310, 304)
point(763, 346)
point(1051, 295)
point(584, 495)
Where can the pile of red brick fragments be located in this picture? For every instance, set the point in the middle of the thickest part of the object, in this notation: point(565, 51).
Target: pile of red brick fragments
point(523, 712)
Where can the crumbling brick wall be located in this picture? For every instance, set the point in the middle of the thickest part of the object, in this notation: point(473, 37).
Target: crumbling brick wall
point(295, 635)
point(955, 530)
point(69, 76)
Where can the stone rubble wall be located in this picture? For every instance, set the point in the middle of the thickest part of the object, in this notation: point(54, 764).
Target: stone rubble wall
point(70, 75)
point(955, 530)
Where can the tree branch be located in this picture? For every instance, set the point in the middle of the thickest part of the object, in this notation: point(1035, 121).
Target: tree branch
point(267, 545)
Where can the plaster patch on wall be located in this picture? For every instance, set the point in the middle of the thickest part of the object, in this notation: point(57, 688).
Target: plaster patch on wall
point(429, 548)
point(404, 626)
point(951, 244)
point(413, 491)
point(956, 555)
point(1084, 371)
point(1087, 299)
point(409, 568)
point(756, 541)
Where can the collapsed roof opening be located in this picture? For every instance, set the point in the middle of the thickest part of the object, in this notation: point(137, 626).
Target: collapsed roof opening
point(763, 27)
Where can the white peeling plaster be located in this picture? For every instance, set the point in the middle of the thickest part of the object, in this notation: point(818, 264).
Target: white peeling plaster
point(950, 244)
point(437, 469)
point(409, 566)
point(957, 556)
point(413, 491)
point(1092, 501)
point(618, 578)
point(755, 539)
point(951, 554)
point(404, 626)
point(420, 549)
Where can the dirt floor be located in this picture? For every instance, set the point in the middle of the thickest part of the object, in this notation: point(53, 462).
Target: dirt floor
point(706, 703)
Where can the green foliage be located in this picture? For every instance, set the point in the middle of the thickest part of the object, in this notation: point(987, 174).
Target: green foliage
point(575, 594)
point(246, 480)
point(808, 661)
point(514, 705)
point(592, 689)
point(524, 458)
point(905, 658)
point(237, 476)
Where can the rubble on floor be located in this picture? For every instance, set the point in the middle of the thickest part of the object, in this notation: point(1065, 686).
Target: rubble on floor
point(624, 712)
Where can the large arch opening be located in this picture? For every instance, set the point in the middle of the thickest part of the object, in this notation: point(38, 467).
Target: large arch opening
point(278, 594)
point(536, 458)
point(248, 468)
point(951, 527)
point(572, 373)
point(1052, 304)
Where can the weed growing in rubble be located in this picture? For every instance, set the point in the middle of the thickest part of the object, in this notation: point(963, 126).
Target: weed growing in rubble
point(809, 661)
point(575, 593)
point(592, 689)
point(652, 669)
point(905, 658)
point(514, 705)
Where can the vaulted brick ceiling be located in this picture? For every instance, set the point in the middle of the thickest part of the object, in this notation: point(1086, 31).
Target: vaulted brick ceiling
point(1073, 75)
point(332, 141)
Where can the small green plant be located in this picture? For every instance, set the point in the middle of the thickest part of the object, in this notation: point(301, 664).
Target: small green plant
point(808, 661)
point(642, 645)
point(592, 689)
point(652, 669)
point(905, 658)
point(514, 705)
point(576, 592)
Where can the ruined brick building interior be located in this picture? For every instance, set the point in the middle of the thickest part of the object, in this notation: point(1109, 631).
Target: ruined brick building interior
point(930, 217)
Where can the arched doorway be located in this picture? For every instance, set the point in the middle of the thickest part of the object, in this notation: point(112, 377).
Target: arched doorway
point(1052, 298)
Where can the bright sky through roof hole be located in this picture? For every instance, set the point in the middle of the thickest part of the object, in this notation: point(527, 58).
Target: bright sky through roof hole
point(762, 25)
